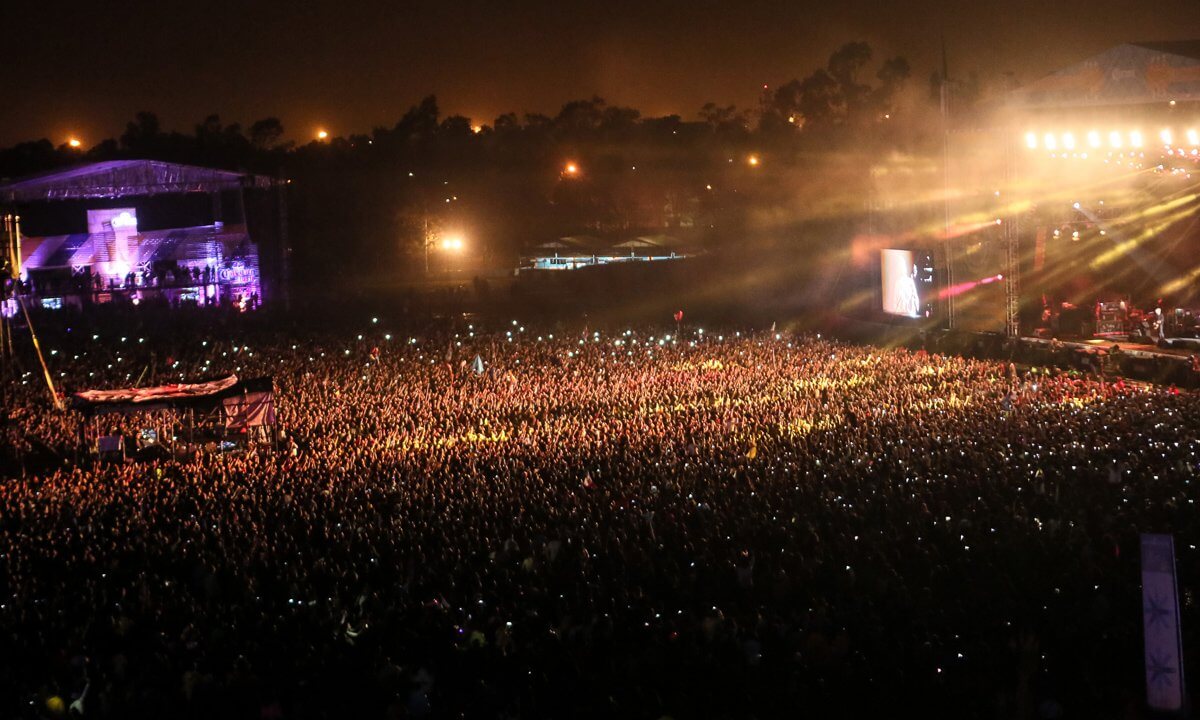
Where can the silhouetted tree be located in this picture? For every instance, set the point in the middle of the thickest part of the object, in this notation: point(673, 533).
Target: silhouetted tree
point(421, 120)
point(265, 134)
point(455, 126)
point(506, 122)
point(143, 133)
point(820, 100)
point(579, 117)
point(28, 157)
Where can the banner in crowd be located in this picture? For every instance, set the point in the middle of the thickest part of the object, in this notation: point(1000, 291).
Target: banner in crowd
point(161, 392)
point(250, 410)
point(1160, 621)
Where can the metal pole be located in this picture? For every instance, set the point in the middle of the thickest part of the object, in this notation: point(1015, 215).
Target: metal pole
point(12, 249)
point(951, 321)
point(1012, 254)
point(38, 347)
point(285, 249)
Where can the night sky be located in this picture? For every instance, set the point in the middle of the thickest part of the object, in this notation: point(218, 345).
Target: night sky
point(74, 68)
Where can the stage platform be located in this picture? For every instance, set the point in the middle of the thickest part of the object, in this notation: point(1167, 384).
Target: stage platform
point(1178, 350)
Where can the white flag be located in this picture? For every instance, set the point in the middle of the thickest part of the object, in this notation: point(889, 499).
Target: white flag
point(477, 365)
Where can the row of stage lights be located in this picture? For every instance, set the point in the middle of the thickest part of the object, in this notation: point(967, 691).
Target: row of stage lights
point(1115, 140)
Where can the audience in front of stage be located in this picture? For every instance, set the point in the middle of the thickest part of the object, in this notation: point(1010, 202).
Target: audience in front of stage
point(599, 524)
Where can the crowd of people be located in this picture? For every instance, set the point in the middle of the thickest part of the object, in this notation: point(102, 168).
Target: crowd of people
point(521, 522)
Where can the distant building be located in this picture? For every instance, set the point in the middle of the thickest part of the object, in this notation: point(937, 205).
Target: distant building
point(574, 252)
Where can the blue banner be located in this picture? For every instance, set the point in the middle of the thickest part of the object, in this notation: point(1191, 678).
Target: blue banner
point(1160, 621)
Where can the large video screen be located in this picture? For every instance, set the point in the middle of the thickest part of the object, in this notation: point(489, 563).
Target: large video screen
point(908, 282)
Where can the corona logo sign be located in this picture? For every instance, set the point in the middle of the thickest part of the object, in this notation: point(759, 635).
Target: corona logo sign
point(124, 219)
point(236, 274)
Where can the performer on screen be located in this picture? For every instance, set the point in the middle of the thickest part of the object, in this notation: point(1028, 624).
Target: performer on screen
point(909, 300)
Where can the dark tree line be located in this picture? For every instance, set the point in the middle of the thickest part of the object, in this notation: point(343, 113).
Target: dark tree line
point(369, 198)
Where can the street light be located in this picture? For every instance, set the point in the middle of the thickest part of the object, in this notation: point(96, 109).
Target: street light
point(571, 169)
point(449, 243)
point(753, 160)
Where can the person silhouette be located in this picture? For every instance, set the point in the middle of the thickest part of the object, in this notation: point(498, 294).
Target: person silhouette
point(909, 300)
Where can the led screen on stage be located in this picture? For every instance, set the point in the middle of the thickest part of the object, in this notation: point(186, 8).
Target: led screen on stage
point(907, 282)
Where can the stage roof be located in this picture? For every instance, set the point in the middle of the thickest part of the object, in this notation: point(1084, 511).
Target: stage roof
point(126, 178)
point(1130, 74)
point(590, 245)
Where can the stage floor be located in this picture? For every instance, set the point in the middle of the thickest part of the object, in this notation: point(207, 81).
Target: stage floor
point(1131, 349)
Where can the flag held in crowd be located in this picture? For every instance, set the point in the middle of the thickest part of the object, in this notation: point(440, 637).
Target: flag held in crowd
point(1160, 622)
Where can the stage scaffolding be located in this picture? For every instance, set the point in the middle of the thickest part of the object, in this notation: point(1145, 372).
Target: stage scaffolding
point(183, 418)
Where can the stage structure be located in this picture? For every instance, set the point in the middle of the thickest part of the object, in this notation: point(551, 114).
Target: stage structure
point(208, 412)
point(1079, 188)
point(575, 252)
point(1104, 155)
point(142, 230)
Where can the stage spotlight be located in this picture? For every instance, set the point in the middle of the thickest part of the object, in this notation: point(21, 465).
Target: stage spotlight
point(1031, 140)
point(1135, 139)
point(1193, 138)
point(1068, 141)
point(1094, 139)
point(1114, 139)
point(1051, 143)
point(1165, 136)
